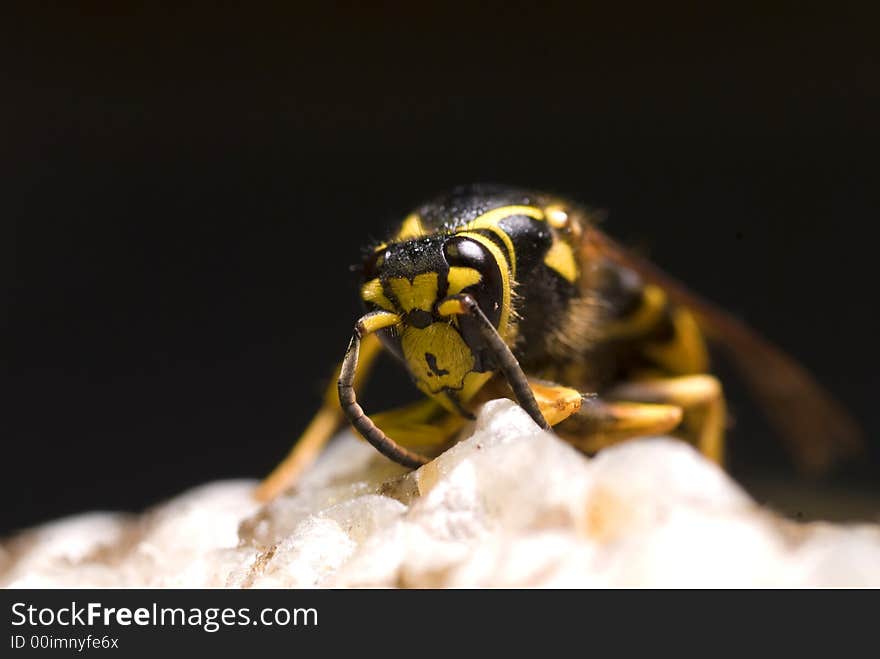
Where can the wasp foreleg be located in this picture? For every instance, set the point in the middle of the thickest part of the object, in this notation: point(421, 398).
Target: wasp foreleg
point(424, 426)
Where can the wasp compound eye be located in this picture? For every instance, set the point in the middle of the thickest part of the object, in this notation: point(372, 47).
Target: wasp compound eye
point(466, 252)
point(473, 269)
point(373, 263)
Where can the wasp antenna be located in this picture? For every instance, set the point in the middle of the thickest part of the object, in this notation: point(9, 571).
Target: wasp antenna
point(368, 324)
point(465, 304)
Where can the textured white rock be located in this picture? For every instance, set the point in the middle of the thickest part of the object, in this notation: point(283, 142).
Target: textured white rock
point(510, 506)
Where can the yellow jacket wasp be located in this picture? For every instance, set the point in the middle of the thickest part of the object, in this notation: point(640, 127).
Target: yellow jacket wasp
point(491, 291)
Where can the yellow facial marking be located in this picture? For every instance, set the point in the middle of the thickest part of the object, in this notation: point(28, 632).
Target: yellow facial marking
point(451, 308)
point(372, 292)
point(379, 320)
point(460, 278)
point(420, 293)
point(560, 258)
point(437, 357)
point(411, 228)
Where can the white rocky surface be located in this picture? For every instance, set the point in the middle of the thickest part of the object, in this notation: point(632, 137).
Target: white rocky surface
point(510, 506)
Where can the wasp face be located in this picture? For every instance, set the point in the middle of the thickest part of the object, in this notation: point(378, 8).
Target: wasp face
point(445, 355)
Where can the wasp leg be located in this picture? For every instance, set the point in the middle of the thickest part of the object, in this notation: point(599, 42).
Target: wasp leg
point(424, 426)
point(319, 431)
point(600, 423)
point(428, 427)
point(592, 423)
point(700, 397)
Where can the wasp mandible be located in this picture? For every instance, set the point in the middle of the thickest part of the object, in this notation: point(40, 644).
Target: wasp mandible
point(491, 291)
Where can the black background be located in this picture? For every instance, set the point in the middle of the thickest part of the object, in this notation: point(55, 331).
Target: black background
point(183, 194)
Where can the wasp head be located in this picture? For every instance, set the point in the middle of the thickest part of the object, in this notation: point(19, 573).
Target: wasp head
point(445, 355)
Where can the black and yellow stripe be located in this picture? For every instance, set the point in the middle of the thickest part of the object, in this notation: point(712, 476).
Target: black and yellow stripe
point(491, 290)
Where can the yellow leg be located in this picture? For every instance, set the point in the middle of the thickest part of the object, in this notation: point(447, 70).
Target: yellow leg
point(428, 427)
point(592, 423)
point(319, 431)
point(424, 426)
point(600, 423)
point(701, 398)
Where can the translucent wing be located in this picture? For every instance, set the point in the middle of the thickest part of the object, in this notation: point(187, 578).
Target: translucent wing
point(816, 428)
